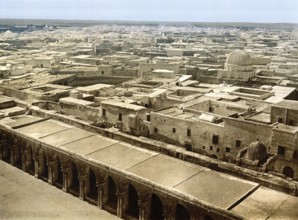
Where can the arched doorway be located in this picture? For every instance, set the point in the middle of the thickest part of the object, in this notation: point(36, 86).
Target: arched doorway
point(92, 194)
point(31, 167)
point(133, 207)
point(18, 155)
point(59, 177)
point(288, 172)
point(6, 154)
point(156, 208)
point(74, 186)
point(214, 156)
point(181, 213)
point(112, 197)
point(44, 168)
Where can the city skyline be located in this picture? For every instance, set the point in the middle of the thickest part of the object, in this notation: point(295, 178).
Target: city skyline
point(265, 11)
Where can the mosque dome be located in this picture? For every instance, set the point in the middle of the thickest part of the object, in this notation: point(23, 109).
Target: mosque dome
point(239, 58)
point(256, 151)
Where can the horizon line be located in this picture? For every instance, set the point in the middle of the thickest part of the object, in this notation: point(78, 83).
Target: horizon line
point(152, 21)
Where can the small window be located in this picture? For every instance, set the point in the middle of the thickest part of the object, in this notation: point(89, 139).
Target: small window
point(102, 72)
point(279, 119)
point(211, 148)
point(155, 130)
point(174, 130)
point(281, 150)
point(217, 150)
point(188, 132)
point(228, 150)
point(203, 147)
point(120, 116)
point(104, 112)
point(148, 117)
point(238, 143)
point(188, 147)
point(295, 154)
point(215, 139)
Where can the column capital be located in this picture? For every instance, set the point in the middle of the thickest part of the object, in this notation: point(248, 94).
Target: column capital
point(83, 177)
point(101, 185)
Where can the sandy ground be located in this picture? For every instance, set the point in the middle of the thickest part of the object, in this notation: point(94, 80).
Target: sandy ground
point(22, 196)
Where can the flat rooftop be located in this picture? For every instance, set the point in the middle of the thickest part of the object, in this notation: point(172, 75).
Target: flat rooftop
point(124, 105)
point(218, 189)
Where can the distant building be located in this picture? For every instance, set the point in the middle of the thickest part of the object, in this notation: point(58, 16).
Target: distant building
point(238, 67)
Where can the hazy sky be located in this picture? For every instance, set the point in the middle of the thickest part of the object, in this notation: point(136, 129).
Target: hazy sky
point(154, 10)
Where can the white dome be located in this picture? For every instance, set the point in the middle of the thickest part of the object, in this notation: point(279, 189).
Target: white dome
point(239, 58)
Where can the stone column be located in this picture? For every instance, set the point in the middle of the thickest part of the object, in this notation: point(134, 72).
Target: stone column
point(65, 179)
point(3, 144)
point(82, 180)
point(36, 166)
point(12, 157)
point(65, 182)
point(24, 161)
point(144, 206)
point(100, 191)
point(195, 213)
point(170, 211)
point(121, 202)
point(50, 172)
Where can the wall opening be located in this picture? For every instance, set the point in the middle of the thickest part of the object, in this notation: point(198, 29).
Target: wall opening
point(156, 208)
point(281, 150)
point(188, 132)
point(59, 180)
point(74, 187)
point(181, 213)
point(214, 156)
point(133, 207)
point(31, 165)
point(92, 194)
point(18, 157)
point(215, 139)
point(288, 172)
point(44, 168)
point(112, 197)
point(6, 154)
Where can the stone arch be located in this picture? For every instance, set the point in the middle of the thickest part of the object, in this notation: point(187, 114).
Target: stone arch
point(57, 170)
point(214, 156)
point(73, 181)
point(181, 212)
point(157, 208)
point(16, 157)
point(111, 193)
point(43, 164)
point(92, 191)
point(288, 171)
point(29, 159)
point(133, 197)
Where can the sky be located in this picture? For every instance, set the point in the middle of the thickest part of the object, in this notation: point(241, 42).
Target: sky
point(271, 11)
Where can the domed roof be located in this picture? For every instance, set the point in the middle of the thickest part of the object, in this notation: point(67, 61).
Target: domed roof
point(239, 58)
point(256, 150)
